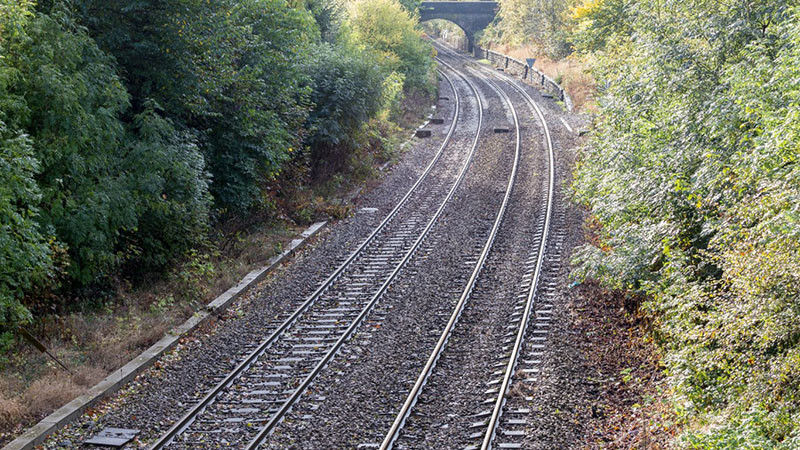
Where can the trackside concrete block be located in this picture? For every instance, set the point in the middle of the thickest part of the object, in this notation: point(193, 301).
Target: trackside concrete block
point(112, 383)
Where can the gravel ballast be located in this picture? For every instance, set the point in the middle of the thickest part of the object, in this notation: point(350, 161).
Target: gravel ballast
point(363, 392)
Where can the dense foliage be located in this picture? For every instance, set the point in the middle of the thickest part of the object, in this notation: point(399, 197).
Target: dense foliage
point(23, 248)
point(557, 28)
point(347, 89)
point(226, 70)
point(693, 183)
point(130, 129)
point(358, 75)
point(544, 24)
point(388, 29)
point(104, 186)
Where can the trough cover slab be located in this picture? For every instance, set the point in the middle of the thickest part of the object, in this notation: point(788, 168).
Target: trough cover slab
point(113, 437)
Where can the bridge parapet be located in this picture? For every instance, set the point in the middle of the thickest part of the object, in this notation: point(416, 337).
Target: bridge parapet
point(489, 8)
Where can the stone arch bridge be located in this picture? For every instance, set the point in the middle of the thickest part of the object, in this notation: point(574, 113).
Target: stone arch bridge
point(469, 16)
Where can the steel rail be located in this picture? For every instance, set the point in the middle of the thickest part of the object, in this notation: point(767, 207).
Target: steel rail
point(209, 398)
point(531, 296)
point(276, 418)
point(416, 390)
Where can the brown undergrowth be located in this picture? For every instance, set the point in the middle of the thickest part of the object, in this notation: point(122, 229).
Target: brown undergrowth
point(106, 334)
point(98, 340)
point(570, 73)
point(631, 409)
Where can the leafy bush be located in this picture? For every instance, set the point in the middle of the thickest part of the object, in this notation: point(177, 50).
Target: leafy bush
point(390, 30)
point(74, 100)
point(108, 188)
point(347, 90)
point(357, 79)
point(328, 16)
point(225, 69)
point(596, 22)
point(171, 192)
point(109, 191)
point(24, 253)
point(23, 248)
point(258, 106)
point(693, 182)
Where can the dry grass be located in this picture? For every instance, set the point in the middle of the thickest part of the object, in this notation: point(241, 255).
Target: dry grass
point(11, 409)
point(571, 74)
point(48, 393)
point(20, 403)
point(96, 342)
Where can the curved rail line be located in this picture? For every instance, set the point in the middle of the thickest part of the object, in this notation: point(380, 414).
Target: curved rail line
point(188, 418)
point(531, 296)
point(278, 416)
point(493, 422)
point(416, 390)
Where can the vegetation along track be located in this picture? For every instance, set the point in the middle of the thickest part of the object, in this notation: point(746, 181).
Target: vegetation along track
point(253, 398)
point(477, 346)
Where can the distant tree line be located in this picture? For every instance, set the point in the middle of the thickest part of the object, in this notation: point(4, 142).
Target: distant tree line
point(130, 129)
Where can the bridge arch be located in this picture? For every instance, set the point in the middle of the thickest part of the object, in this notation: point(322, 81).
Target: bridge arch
point(469, 16)
point(453, 34)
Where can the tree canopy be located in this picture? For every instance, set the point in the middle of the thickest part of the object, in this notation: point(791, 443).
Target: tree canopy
point(692, 183)
point(131, 129)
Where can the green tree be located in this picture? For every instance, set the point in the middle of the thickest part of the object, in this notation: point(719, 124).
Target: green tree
point(101, 178)
point(543, 23)
point(391, 31)
point(24, 253)
point(691, 179)
point(170, 190)
point(226, 70)
point(328, 16)
point(347, 91)
point(596, 22)
point(73, 100)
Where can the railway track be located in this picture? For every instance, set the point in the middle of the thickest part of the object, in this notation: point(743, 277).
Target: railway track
point(244, 407)
point(523, 341)
point(435, 324)
point(540, 313)
point(247, 404)
point(360, 394)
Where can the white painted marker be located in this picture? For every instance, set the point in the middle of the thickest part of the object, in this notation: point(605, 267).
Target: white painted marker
point(566, 125)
